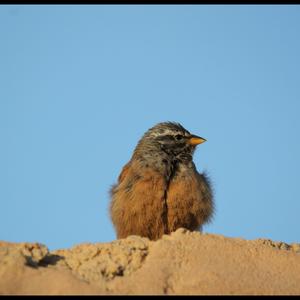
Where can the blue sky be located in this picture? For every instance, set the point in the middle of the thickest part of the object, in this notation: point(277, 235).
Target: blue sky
point(81, 84)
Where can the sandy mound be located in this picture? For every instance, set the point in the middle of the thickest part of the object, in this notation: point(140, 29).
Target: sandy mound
point(182, 263)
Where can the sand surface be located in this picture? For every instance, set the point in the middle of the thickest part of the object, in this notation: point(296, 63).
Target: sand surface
point(181, 263)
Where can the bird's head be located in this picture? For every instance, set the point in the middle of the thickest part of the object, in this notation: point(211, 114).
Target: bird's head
point(171, 138)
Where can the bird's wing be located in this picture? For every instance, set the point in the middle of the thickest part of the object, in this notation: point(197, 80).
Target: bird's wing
point(124, 172)
point(137, 203)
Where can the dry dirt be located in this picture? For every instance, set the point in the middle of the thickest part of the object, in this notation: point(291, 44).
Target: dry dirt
point(181, 263)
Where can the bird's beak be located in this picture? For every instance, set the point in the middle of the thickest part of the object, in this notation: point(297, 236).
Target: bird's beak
point(196, 140)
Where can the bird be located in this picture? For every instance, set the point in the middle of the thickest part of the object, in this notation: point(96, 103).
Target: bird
point(160, 190)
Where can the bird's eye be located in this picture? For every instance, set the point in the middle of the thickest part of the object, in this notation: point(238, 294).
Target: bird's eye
point(178, 137)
